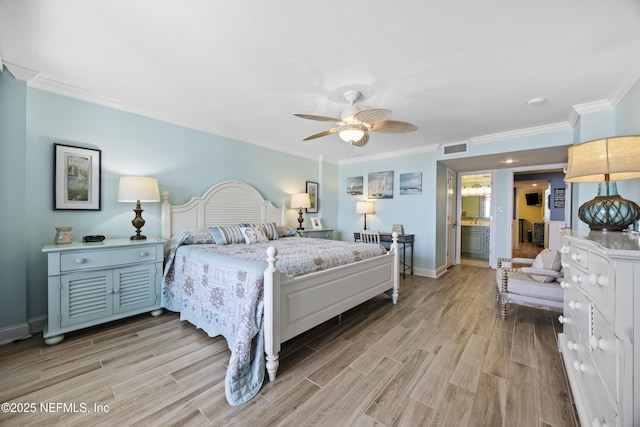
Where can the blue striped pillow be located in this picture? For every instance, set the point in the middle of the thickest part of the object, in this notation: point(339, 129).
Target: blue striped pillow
point(226, 234)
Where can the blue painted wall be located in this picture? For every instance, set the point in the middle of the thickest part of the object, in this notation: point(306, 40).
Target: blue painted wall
point(186, 162)
point(13, 266)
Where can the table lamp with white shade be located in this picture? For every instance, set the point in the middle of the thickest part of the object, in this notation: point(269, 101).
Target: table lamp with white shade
point(138, 189)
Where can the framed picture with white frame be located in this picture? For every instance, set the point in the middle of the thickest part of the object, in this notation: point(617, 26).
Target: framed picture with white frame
point(315, 222)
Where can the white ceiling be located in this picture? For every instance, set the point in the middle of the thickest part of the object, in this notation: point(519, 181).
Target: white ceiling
point(457, 69)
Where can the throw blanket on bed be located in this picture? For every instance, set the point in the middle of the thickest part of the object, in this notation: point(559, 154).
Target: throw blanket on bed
point(219, 288)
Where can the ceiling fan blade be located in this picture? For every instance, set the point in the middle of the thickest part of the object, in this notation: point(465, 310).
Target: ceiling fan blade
point(371, 115)
point(320, 134)
point(320, 118)
point(392, 126)
point(362, 141)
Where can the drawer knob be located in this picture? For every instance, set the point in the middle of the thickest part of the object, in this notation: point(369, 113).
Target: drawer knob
point(143, 254)
point(79, 261)
point(576, 257)
point(576, 278)
point(598, 279)
point(597, 343)
point(564, 285)
point(579, 366)
point(573, 345)
point(564, 320)
point(574, 305)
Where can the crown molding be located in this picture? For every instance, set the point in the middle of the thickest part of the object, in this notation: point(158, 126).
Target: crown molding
point(390, 155)
point(19, 72)
point(519, 133)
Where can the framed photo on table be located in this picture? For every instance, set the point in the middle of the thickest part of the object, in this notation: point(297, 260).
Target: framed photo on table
point(312, 190)
point(315, 223)
point(77, 176)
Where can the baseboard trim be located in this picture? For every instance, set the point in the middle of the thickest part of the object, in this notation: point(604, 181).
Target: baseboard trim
point(36, 324)
point(14, 332)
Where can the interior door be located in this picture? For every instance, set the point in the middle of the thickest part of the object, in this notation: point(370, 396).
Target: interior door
point(452, 218)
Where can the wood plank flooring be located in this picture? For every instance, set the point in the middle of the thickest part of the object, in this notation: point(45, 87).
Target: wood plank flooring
point(440, 357)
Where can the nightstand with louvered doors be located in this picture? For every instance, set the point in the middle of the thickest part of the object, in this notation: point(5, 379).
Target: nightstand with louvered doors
point(93, 283)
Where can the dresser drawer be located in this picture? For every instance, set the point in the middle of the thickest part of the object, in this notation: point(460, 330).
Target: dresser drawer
point(81, 260)
point(598, 405)
point(599, 284)
point(575, 315)
point(606, 352)
point(579, 256)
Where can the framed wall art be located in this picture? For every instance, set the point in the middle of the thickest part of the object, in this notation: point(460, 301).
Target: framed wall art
point(77, 175)
point(558, 198)
point(410, 183)
point(312, 190)
point(355, 186)
point(380, 185)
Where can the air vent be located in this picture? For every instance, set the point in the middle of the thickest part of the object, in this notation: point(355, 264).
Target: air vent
point(456, 148)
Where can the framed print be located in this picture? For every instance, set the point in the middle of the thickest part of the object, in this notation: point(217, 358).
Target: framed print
point(355, 185)
point(410, 183)
point(315, 222)
point(380, 185)
point(77, 173)
point(558, 198)
point(312, 190)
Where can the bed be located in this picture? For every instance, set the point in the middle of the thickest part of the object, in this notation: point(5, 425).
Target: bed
point(276, 298)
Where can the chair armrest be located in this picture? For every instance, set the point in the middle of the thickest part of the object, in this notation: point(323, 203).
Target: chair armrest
point(510, 261)
point(540, 271)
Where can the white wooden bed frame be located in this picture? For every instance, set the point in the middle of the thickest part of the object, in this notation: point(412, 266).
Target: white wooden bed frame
point(292, 305)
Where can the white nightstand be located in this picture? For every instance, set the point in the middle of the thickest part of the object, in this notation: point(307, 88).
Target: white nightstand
point(317, 234)
point(93, 283)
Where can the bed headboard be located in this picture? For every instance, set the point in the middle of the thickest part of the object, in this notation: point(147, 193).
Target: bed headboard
point(229, 202)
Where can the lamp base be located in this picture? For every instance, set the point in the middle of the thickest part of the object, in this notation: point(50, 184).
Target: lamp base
point(138, 223)
point(609, 212)
point(300, 220)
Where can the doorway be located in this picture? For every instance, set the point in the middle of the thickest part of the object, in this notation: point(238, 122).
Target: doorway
point(476, 231)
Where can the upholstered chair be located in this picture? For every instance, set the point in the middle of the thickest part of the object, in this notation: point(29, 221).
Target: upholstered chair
point(530, 282)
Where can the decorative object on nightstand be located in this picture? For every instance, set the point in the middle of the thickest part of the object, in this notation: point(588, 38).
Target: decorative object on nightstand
point(363, 208)
point(606, 161)
point(138, 189)
point(63, 236)
point(300, 200)
point(316, 223)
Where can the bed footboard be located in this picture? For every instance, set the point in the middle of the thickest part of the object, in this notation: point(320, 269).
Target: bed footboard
point(293, 305)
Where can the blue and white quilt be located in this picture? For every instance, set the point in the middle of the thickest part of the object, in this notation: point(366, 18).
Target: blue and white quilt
point(219, 288)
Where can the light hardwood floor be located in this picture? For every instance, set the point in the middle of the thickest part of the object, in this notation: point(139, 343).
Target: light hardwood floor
point(440, 357)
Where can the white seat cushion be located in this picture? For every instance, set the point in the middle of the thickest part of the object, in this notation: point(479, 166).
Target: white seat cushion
point(522, 284)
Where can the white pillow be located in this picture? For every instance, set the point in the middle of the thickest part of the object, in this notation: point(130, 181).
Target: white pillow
point(254, 235)
point(548, 259)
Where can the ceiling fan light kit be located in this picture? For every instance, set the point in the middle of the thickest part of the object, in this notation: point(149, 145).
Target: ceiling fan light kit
point(356, 122)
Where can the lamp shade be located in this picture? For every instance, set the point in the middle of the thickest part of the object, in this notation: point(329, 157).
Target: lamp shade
point(618, 157)
point(138, 188)
point(364, 207)
point(300, 200)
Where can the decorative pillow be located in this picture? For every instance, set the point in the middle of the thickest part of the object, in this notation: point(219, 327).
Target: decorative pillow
point(286, 231)
point(270, 229)
point(254, 235)
point(226, 234)
point(548, 259)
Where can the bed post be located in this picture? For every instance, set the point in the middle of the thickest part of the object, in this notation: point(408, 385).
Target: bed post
point(165, 217)
point(396, 266)
point(272, 314)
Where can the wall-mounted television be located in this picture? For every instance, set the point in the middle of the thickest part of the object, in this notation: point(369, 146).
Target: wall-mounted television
point(533, 199)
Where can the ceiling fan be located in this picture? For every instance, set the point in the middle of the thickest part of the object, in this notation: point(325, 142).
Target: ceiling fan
point(355, 122)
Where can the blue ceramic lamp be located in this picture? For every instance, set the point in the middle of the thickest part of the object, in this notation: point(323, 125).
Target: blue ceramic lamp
point(606, 161)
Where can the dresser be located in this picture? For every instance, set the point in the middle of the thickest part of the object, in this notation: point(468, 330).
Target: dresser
point(317, 234)
point(601, 288)
point(93, 283)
